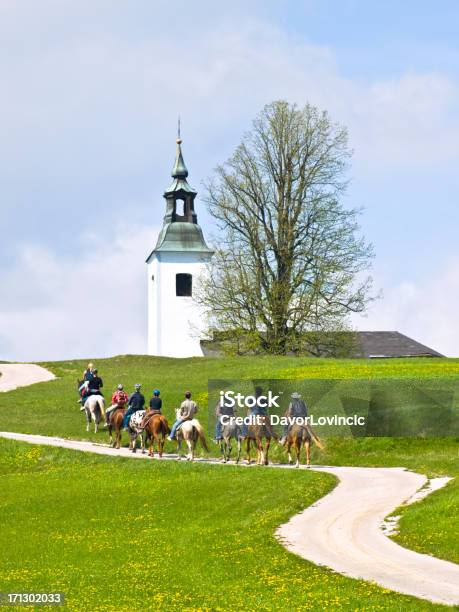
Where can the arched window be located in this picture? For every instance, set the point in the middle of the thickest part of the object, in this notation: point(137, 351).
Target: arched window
point(183, 285)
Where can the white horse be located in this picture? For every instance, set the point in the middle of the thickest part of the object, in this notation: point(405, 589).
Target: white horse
point(94, 408)
point(191, 431)
point(135, 431)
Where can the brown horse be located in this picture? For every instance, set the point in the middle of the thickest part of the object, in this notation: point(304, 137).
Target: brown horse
point(115, 422)
point(301, 436)
point(256, 433)
point(156, 429)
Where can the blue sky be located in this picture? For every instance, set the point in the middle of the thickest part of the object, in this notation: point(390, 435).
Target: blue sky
point(90, 97)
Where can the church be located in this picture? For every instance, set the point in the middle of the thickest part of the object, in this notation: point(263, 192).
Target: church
point(176, 323)
point(174, 267)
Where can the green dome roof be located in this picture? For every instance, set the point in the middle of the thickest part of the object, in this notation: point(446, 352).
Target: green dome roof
point(181, 236)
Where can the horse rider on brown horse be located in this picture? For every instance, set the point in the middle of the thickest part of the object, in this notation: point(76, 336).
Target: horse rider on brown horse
point(296, 408)
point(156, 403)
point(119, 400)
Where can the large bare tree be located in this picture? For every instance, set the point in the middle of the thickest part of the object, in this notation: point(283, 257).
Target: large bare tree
point(289, 259)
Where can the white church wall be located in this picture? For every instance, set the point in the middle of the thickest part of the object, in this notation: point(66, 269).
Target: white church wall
point(175, 323)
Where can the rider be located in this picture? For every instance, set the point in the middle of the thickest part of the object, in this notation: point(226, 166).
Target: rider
point(119, 400)
point(136, 402)
point(188, 409)
point(88, 374)
point(296, 408)
point(83, 388)
point(95, 384)
point(156, 402)
point(155, 407)
point(255, 411)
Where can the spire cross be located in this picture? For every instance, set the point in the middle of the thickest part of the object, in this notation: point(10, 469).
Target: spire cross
point(179, 139)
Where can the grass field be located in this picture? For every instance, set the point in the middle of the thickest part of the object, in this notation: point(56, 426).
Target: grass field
point(232, 565)
point(116, 534)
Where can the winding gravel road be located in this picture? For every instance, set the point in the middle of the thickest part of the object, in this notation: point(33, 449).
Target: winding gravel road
point(341, 531)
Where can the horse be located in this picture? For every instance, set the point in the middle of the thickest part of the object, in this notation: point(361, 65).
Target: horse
point(115, 422)
point(94, 408)
point(256, 432)
point(299, 436)
point(135, 430)
point(156, 429)
point(230, 431)
point(191, 431)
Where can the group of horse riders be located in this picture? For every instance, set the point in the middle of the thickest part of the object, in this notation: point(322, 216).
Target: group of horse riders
point(296, 409)
point(92, 385)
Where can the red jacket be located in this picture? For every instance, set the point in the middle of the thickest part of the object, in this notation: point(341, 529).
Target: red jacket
point(120, 397)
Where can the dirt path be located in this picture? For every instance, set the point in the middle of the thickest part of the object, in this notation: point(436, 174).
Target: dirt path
point(347, 535)
point(14, 375)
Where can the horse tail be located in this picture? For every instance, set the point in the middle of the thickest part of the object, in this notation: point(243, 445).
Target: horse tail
point(316, 439)
point(101, 404)
point(201, 435)
point(165, 426)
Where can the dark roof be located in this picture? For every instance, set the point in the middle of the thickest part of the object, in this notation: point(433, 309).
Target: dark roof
point(364, 344)
point(390, 344)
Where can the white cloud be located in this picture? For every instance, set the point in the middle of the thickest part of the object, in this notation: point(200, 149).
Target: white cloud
point(103, 98)
point(425, 310)
point(93, 305)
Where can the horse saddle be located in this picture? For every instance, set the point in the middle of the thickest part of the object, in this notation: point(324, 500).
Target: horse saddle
point(181, 423)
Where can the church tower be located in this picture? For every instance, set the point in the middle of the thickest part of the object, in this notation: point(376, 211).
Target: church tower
point(175, 320)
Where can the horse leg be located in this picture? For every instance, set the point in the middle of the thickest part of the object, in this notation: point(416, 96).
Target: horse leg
point(307, 446)
point(88, 419)
point(229, 448)
point(260, 454)
point(248, 450)
point(189, 456)
point(298, 452)
point(268, 444)
point(289, 446)
point(179, 443)
point(238, 450)
point(222, 449)
point(151, 446)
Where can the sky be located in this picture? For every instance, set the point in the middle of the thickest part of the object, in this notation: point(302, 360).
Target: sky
point(90, 95)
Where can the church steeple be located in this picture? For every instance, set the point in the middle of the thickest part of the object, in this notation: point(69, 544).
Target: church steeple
point(179, 171)
point(180, 231)
point(180, 192)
